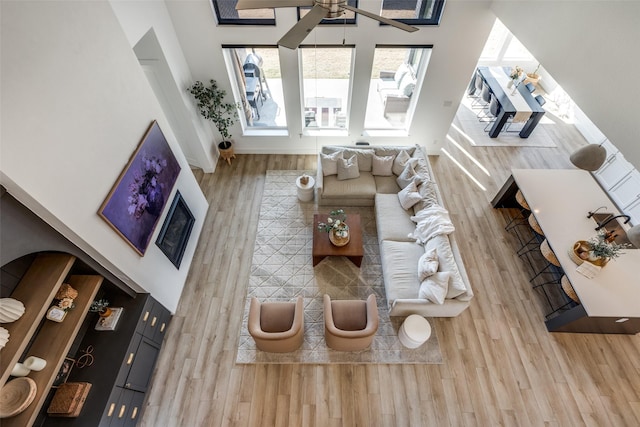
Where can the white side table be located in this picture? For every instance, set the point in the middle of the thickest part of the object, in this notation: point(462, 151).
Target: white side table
point(305, 192)
point(415, 331)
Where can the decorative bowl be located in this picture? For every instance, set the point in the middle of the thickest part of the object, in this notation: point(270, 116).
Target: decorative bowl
point(16, 396)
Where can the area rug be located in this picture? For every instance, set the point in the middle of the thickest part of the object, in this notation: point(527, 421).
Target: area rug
point(474, 131)
point(282, 269)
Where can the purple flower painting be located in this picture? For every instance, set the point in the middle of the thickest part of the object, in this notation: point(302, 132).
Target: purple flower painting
point(138, 197)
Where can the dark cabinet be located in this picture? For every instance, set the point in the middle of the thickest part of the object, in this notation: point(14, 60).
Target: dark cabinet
point(124, 360)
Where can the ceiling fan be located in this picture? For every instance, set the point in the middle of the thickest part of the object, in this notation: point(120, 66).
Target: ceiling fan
point(322, 9)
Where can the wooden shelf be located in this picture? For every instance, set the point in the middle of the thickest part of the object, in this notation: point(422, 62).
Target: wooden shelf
point(36, 290)
point(53, 340)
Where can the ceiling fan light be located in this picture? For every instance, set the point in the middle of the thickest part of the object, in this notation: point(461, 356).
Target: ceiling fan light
point(590, 157)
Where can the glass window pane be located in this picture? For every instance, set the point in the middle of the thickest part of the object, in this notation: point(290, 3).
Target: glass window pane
point(415, 12)
point(326, 75)
point(349, 16)
point(258, 84)
point(227, 14)
point(396, 74)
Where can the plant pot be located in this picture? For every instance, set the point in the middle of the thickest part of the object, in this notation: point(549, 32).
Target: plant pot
point(226, 151)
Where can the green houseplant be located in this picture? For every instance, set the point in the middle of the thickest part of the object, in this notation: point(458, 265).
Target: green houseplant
point(212, 107)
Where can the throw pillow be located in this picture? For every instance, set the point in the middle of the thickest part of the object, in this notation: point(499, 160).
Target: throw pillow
point(382, 166)
point(400, 72)
point(365, 157)
point(427, 190)
point(434, 287)
point(407, 85)
point(428, 264)
point(408, 176)
point(329, 163)
point(399, 162)
point(348, 168)
point(409, 196)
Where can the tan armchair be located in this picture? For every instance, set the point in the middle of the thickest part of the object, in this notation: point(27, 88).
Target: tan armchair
point(276, 327)
point(350, 325)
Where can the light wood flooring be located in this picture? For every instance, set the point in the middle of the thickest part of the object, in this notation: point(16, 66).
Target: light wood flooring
point(501, 366)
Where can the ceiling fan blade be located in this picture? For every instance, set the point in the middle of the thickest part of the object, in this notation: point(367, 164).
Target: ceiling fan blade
point(396, 24)
point(298, 32)
point(266, 4)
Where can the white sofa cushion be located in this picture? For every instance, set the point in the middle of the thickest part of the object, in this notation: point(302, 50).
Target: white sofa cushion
point(409, 196)
point(400, 162)
point(363, 187)
point(434, 288)
point(393, 222)
point(428, 264)
point(399, 269)
point(329, 163)
point(446, 262)
point(382, 165)
point(348, 168)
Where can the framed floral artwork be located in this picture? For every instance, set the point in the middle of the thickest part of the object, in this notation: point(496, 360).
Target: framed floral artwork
point(136, 201)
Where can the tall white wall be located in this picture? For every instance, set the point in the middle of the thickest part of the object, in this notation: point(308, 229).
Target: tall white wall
point(165, 63)
point(75, 105)
point(590, 48)
point(457, 42)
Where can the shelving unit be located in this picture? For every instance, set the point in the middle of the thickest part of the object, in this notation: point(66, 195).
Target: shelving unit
point(52, 340)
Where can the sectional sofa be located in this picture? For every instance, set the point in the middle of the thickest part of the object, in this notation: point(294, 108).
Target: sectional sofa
point(377, 184)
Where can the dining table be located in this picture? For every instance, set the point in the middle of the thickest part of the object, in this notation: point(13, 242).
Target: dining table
point(516, 102)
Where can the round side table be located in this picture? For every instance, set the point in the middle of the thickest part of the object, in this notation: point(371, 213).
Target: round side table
point(415, 331)
point(305, 192)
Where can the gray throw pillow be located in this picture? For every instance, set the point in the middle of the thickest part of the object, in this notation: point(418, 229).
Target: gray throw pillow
point(348, 168)
point(407, 176)
point(329, 163)
point(400, 162)
point(382, 166)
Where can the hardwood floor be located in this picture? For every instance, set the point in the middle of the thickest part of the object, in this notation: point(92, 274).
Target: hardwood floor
point(501, 366)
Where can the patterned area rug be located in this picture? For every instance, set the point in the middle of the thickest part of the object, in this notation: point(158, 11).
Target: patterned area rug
point(281, 270)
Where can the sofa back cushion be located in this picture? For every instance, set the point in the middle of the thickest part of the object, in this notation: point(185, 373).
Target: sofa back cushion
point(364, 155)
point(382, 165)
point(329, 163)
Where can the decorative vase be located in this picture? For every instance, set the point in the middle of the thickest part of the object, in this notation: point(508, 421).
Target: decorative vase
point(339, 240)
point(106, 312)
point(510, 84)
point(10, 310)
point(155, 200)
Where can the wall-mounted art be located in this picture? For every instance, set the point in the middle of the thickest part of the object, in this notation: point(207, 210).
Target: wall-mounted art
point(138, 197)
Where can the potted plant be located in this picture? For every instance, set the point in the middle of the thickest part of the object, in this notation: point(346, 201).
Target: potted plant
point(101, 307)
point(212, 107)
point(599, 250)
point(336, 227)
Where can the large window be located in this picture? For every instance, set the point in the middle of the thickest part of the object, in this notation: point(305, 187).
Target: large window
point(326, 77)
point(502, 45)
point(227, 14)
point(413, 12)
point(258, 85)
point(396, 75)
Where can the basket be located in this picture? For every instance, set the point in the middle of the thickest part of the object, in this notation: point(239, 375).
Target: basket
point(338, 241)
point(573, 254)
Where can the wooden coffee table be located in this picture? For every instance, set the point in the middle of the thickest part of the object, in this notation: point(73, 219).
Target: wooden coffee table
point(323, 248)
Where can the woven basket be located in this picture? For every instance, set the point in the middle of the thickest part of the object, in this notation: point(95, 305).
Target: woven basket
point(338, 241)
point(573, 254)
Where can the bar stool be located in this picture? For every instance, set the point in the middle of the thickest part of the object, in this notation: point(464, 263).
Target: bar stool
point(569, 293)
point(552, 261)
point(520, 218)
point(535, 239)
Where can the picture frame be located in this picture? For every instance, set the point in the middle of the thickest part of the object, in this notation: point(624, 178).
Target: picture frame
point(136, 201)
point(174, 234)
point(63, 372)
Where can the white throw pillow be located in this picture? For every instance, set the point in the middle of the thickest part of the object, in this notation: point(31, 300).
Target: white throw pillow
point(428, 264)
point(348, 168)
point(409, 196)
point(408, 176)
point(400, 162)
point(434, 288)
point(329, 163)
point(382, 166)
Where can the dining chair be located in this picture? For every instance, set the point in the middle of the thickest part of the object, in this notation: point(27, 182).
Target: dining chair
point(541, 100)
point(485, 97)
point(492, 116)
point(530, 87)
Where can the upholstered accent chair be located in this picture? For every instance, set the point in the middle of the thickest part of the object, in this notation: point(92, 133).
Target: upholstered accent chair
point(350, 325)
point(277, 327)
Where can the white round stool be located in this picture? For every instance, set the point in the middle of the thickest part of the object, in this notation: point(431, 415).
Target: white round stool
point(415, 331)
point(305, 192)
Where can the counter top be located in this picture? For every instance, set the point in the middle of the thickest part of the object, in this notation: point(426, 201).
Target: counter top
point(561, 201)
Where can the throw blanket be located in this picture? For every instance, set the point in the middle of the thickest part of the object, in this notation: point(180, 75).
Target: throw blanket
point(431, 222)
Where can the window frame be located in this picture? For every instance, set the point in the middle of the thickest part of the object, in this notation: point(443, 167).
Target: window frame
point(435, 19)
point(242, 21)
